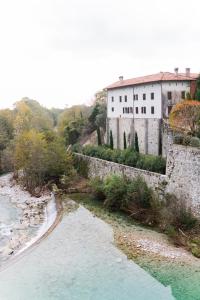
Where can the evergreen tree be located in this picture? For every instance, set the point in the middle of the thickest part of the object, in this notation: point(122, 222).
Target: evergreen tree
point(125, 144)
point(136, 143)
point(197, 96)
point(111, 140)
point(188, 96)
point(99, 136)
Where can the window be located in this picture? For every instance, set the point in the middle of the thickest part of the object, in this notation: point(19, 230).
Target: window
point(143, 109)
point(123, 110)
point(128, 110)
point(183, 94)
point(112, 99)
point(152, 110)
point(125, 98)
point(113, 109)
point(131, 110)
point(144, 96)
point(152, 96)
point(169, 95)
point(120, 98)
point(136, 110)
point(169, 109)
point(135, 97)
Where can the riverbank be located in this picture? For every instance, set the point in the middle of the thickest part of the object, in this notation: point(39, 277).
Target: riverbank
point(151, 250)
point(31, 218)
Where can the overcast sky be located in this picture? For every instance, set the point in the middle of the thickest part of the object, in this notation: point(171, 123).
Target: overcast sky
point(60, 52)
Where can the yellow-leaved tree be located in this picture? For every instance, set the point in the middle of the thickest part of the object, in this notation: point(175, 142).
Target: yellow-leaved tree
point(185, 117)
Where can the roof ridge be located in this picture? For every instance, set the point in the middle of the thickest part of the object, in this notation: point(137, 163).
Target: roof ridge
point(161, 76)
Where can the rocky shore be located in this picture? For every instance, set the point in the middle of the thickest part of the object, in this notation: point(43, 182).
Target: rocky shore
point(31, 221)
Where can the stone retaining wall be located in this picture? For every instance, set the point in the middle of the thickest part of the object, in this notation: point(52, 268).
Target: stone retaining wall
point(182, 174)
point(101, 168)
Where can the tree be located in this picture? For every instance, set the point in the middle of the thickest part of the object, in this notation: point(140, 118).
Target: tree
point(188, 96)
point(125, 144)
point(185, 116)
point(111, 140)
point(197, 96)
point(29, 156)
point(39, 159)
point(6, 132)
point(74, 113)
point(30, 114)
point(99, 136)
point(136, 143)
point(98, 114)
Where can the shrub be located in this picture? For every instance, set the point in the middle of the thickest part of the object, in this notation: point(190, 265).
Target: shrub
point(77, 148)
point(139, 193)
point(177, 214)
point(115, 189)
point(127, 157)
point(97, 188)
point(151, 163)
point(81, 166)
point(178, 139)
point(186, 218)
point(115, 155)
point(195, 142)
point(132, 159)
point(186, 140)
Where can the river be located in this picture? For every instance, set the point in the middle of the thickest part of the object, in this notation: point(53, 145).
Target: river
point(78, 261)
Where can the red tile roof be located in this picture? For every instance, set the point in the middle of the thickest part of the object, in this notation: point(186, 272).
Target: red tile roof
point(162, 76)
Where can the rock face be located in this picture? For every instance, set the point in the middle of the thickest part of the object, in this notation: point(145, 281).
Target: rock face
point(182, 174)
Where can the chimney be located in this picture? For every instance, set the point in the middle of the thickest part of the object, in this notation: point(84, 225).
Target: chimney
point(187, 72)
point(121, 78)
point(176, 71)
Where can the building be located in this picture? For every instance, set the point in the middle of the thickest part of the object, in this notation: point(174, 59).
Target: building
point(143, 105)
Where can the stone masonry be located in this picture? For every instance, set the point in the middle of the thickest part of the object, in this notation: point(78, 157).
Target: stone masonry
point(182, 174)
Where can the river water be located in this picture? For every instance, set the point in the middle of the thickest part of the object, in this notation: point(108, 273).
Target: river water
point(78, 261)
point(9, 218)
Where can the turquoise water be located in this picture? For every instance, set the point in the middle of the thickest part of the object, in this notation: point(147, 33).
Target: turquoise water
point(78, 261)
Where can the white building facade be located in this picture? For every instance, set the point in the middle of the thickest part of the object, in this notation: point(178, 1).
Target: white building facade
point(141, 105)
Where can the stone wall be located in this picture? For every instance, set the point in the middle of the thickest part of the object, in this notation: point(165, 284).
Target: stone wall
point(101, 168)
point(182, 174)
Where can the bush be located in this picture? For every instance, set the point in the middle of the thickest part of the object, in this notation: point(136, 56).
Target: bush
point(175, 213)
point(81, 166)
point(178, 139)
point(151, 163)
point(77, 148)
point(195, 142)
point(115, 189)
point(139, 193)
point(186, 140)
point(127, 157)
point(97, 188)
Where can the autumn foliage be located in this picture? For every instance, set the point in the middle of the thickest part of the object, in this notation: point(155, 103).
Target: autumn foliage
point(185, 116)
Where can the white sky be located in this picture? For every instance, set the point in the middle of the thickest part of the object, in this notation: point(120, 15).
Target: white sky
point(60, 52)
